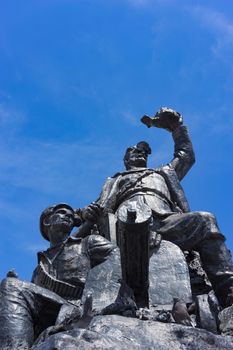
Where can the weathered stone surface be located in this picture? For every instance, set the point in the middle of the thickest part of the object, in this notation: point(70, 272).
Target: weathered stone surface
point(116, 332)
point(205, 317)
point(168, 275)
point(102, 282)
point(226, 321)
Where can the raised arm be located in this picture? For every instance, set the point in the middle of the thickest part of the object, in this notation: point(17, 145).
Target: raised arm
point(184, 156)
point(172, 121)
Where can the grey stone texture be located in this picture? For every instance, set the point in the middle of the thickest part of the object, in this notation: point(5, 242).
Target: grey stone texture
point(117, 332)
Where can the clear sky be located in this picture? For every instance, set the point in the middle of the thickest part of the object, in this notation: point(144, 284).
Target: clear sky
point(75, 78)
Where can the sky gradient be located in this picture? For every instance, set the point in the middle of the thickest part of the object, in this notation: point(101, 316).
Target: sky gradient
point(75, 78)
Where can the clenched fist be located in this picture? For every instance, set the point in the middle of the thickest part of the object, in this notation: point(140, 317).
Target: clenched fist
point(165, 118)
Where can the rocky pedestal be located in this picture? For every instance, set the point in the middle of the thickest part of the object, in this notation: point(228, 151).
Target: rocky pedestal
point(117, 332)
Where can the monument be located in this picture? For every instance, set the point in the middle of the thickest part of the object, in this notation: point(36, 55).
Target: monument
point(142, 271)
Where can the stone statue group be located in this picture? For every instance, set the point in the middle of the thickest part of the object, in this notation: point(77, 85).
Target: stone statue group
point(139, 255)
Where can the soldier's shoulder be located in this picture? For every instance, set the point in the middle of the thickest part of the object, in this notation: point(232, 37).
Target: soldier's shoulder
point(97, 240)
point(98, 248)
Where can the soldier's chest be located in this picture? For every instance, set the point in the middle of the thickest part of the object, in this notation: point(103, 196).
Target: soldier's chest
point(69, 260)
point(140, 180)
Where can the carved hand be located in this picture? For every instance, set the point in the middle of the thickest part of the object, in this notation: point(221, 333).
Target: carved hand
point(165, 118)
point(92, 212)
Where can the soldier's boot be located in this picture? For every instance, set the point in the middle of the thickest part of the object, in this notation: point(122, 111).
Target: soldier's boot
point(217, 263)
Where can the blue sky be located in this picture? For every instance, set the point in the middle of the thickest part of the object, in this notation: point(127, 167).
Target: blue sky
point(75, 78)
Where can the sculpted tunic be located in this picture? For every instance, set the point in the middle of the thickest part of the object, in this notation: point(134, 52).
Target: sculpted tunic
point(160, 188)
point(63, 269)
point(150, 187)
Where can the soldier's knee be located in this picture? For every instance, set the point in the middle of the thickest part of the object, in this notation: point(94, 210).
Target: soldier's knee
point(10, 283)
point(205, 216)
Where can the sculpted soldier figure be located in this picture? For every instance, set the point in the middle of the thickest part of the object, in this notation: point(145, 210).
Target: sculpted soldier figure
point(28, 308)
point(160, 189)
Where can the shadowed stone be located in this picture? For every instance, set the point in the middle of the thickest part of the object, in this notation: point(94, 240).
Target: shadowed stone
point(205, 318)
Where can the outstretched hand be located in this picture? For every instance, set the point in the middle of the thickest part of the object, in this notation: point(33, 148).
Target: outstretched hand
point(165, 118)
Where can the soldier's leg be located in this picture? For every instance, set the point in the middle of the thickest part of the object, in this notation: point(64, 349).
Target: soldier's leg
point(217, 262)
point(199, 231)
point(16, 323)
point(21, 306)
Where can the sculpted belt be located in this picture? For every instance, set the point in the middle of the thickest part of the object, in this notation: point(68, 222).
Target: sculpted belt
point(64, 289)
point(148, 191)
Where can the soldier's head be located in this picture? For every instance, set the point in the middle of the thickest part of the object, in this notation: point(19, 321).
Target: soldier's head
point(136, 156)
point(57, 222)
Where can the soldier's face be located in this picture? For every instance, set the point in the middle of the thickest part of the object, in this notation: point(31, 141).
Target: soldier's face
point(61, 223)
point(136, 157)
